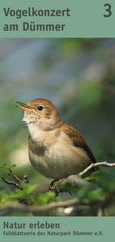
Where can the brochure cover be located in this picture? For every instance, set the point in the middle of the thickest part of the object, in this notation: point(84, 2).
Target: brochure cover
point(57, 120)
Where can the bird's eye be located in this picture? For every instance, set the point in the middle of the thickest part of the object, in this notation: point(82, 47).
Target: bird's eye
point(40, 108)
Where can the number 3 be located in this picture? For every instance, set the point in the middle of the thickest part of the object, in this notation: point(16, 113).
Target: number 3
point(108, 9)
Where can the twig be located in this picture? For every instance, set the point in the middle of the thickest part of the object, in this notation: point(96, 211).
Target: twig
point(15, 176)
point(104, 163)
point(12, 183)
point(25, 178)
point(17, 185)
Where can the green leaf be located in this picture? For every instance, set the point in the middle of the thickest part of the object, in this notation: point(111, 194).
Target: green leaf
point(27, 188)
point(45, 198)
point(4, 198)
point(95, 195)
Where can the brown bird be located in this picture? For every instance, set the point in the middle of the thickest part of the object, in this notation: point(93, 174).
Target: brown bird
point(56, 149)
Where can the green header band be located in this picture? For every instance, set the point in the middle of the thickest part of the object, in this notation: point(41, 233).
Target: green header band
point(57, 19)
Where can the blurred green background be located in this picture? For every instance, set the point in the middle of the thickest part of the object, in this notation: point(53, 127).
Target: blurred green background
point(78, 75)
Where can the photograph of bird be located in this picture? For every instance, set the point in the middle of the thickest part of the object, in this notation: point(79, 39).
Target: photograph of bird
point(56, 149)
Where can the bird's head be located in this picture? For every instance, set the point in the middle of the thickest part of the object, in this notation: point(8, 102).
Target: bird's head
point(40, 112)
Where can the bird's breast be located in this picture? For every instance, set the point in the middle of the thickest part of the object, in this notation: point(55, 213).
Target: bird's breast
point(59, 159)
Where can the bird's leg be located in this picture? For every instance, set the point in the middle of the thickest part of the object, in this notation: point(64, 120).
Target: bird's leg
point(54, 186)
point(51, 186)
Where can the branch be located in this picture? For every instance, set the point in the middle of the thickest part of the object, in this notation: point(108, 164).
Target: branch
point(41, 210)
point(44, 210)
point(70, 184)
point(104, 163)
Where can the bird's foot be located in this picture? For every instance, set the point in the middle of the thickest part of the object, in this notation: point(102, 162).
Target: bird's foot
point(54, 186)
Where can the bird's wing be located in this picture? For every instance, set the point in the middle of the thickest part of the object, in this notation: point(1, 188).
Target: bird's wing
point(78, 139)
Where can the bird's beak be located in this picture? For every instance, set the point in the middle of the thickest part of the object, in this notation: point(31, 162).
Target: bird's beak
point(23, 106)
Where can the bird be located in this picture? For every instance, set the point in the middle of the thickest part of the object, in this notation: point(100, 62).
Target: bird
point(56, 149)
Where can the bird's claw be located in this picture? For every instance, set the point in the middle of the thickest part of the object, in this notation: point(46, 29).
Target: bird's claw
point(53, 186)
